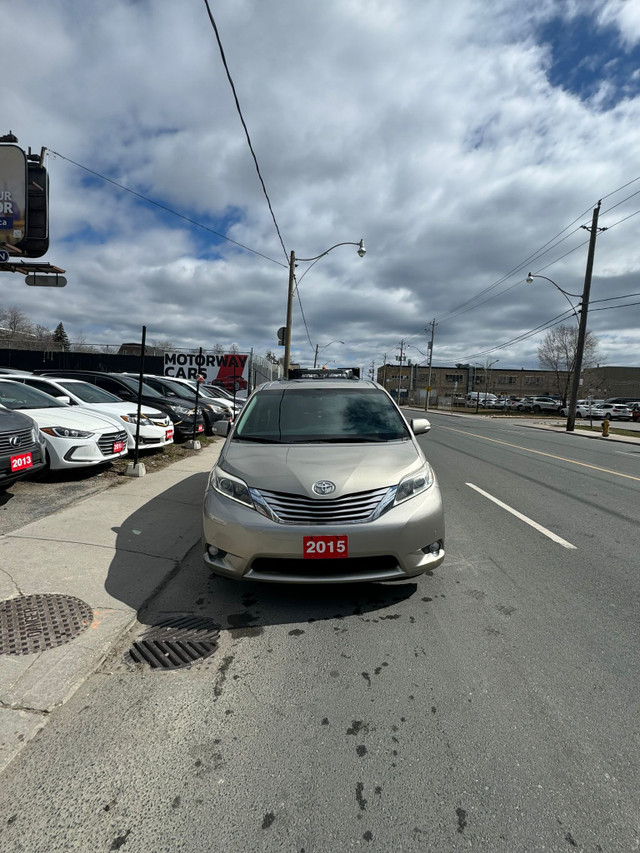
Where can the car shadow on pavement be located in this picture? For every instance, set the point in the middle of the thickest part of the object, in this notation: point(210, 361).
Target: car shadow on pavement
point(158, 571)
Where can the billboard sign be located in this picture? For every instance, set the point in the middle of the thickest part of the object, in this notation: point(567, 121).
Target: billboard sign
point(231, 370)
point(13, 194)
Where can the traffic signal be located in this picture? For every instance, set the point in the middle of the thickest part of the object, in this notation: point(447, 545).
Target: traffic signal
point(36, 242)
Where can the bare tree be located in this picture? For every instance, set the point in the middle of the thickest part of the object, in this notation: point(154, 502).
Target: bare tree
point(164, 345)
point(557, 353)
point(80, 344)
point(15, 323)
point(42, 333)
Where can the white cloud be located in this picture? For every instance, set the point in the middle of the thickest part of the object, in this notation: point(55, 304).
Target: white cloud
point(431, 130)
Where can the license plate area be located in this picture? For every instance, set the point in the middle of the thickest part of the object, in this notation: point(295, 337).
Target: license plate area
point(325, 547)
point(118, 446)
point(21, 461)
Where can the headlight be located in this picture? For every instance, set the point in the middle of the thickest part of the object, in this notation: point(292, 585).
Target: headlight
point(181, 411)
point(35, 435)
point(133, 419)
point(217, 410)
point(66, 432)
point(414, 484)
point(230, 486)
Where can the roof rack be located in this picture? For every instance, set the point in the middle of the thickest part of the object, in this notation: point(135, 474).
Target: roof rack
point(323, 373)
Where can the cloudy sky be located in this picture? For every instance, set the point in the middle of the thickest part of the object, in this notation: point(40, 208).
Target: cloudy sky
point(467, 142)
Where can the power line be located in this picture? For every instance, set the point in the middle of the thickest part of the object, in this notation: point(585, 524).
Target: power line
point(548, 324)
point(543, 250)
point(244, 125)
point(165, 208)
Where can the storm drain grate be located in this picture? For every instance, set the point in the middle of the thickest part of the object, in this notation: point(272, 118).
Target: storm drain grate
point(34, 623)
point(174, 643)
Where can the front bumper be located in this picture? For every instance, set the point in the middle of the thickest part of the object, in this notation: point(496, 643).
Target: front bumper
point(392, 547)
point(7, 475)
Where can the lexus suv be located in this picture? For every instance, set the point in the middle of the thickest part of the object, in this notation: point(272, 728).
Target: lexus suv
point(22, 449)
point(322, 480)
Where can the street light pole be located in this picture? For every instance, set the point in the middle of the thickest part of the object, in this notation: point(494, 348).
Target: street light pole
point(530, 277)
point(315, 360)
point(292, 277)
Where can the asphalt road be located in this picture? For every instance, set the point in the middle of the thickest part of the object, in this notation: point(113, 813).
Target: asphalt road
point(490, 707)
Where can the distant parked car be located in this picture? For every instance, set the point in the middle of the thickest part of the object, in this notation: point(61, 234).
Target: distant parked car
point(74, 437)
point(635, 410)
point(540, 404)
point(156, 429)
point(584, 408)
point(22, 450)
point(612, 412)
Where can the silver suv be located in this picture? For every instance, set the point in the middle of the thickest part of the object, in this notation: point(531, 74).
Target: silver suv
point(322, 481)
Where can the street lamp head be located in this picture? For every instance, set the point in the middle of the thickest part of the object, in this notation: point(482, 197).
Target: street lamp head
point(361, 249)
point(529, 278)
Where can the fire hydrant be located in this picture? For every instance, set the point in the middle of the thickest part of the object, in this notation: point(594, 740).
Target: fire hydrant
point(605, 428)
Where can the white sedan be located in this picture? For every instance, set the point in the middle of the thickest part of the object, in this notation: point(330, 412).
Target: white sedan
point(74, 437)
point(156, 429)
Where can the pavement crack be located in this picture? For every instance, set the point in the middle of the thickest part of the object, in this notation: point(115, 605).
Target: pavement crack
point(37, 712)
point(13, 581)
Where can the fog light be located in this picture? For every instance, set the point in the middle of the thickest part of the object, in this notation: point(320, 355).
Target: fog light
point(212, 551)
point(434, 548)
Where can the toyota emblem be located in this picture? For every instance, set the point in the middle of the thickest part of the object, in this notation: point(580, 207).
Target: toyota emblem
point(324, 487)
point(14, 441)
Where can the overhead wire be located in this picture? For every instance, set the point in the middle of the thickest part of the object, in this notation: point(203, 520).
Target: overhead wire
point(244, 124)
point(165, 208)
point(543, 250)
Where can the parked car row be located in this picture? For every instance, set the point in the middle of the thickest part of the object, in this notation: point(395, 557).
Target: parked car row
point(73, 418)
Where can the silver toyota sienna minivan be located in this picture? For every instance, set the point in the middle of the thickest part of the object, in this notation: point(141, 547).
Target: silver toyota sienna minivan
point(322, 480)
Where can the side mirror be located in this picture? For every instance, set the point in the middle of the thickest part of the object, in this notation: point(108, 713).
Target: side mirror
point(420, 426)
point(222, 427)
point(64, 399)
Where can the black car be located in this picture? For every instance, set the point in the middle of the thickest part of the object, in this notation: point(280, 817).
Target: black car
point(21, 451)
point(126, 387)
point(171, 389)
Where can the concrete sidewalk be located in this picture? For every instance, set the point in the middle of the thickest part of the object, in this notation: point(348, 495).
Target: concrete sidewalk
point(112, 551)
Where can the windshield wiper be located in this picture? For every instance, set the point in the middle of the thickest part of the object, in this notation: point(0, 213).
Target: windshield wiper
point(351, 439)
point(257, 439)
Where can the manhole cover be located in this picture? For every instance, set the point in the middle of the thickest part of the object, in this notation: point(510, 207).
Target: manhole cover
point(34, 623)
point(174, 643)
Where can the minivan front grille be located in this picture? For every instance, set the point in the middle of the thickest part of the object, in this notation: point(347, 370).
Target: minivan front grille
point(349, 509)
point(106, 441)
point(24, 441)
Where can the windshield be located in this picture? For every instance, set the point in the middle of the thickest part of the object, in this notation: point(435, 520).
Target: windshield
point(147, 390)
point(88, 393)
point(15, 395)
point(296, 415)
point(181, 390)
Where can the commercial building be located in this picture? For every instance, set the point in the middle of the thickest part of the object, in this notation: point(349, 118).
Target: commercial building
point(410, 382)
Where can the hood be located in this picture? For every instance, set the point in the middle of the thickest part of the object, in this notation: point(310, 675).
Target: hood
point(295, 468)
point(74, 418)
point(116, 410)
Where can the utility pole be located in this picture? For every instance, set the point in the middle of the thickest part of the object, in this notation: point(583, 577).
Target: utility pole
point(400, 358)
point(430, 348)
point(384, 372)
point(582, 328)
